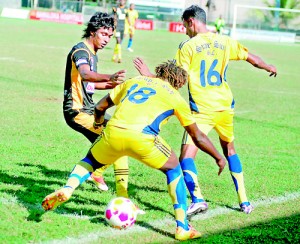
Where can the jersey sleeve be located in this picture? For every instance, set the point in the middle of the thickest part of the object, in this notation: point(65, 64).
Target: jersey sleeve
point(183, 56)
point(117, 93)
point(80, 57)
point(183, 112)
point(237, 51)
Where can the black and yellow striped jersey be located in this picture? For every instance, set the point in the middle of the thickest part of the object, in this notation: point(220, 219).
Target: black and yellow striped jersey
point(78, 94)
point(121, 14)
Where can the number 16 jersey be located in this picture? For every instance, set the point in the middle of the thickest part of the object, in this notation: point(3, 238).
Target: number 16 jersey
point(205, 57)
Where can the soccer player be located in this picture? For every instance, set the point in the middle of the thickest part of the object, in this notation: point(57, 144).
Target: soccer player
point(81, 81)
point(205, 56)
point(143, 104)
point(219, 24)
point(133, 15)
point(120, 16)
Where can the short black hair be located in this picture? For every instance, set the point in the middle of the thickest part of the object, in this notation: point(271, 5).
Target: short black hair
point(196, 12)
point(97, 21)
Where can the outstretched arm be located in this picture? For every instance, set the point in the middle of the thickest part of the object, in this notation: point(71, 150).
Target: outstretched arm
point(204, 144)
point(257, 62)
point(102, 81)
point(142, 68)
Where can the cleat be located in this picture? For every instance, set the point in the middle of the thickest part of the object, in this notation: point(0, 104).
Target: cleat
point(99, 182)
point(120, 61)
point(246, 207)
point(130, 49)
point(195, 208)
point(56, 198)
point(183, 235)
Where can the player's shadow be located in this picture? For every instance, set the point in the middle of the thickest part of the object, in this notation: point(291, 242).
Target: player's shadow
point(101, 220)
point(155, 229)
point(223, 205)
point(37, 181)
point(36, 184)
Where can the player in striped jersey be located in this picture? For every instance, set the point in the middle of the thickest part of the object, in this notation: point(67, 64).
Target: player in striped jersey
point(120, 13)
point(81, 81)
point(143, 104)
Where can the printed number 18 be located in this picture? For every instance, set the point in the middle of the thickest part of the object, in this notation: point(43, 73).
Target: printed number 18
point(140, 96)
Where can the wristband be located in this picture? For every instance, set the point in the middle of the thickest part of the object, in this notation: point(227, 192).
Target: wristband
point(97, 124)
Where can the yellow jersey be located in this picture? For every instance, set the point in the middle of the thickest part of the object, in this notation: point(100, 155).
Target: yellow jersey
point(143, 104)
point(132, 15)
point(205, 57)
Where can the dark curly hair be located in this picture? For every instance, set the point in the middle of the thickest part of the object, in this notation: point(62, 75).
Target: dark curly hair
point(97, 21)
point(172, 73)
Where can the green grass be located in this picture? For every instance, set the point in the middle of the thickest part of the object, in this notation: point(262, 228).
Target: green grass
point(38, 150)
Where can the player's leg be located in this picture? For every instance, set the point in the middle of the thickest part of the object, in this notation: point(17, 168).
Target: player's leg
point(236, 171)
point(225, 131)
point(83, 123)
point(187, 163)
point(79, 174)
point(82, 171)
point(157, 154)
point(129, 45)
point(177, 192)
point(117, 50)
point(121, 171)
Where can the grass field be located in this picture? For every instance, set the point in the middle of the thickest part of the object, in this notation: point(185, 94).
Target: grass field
point(38, 150)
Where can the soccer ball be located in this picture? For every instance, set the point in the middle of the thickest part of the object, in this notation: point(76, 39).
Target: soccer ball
point(121, 213)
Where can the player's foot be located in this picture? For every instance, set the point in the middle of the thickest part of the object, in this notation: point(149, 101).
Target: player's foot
point(114, 59)
point(182, 234)
point(55, 199)
point(130, 49)
point(246, 207)
point(195, 208)
point(119, 60)
point(99, 182)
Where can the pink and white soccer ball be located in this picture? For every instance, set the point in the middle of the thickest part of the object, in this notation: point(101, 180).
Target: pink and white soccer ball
point(121, 213)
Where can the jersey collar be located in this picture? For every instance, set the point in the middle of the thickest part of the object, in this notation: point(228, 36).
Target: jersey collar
point(89, 47)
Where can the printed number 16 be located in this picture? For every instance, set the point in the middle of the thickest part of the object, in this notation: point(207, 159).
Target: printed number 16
point(211, 73)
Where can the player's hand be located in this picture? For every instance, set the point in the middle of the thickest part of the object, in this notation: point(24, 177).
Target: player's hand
point(221, 163)
point(141, 67)
point(272, 70)
point(99, 122)
point(118, 78)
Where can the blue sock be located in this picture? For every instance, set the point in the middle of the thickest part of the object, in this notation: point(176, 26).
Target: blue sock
point(236, 172)
point(129, 43)
point(177, 193)
point(234, 167)
point(191, 179)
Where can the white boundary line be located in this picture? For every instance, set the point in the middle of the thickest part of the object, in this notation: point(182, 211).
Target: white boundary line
point(158, 223)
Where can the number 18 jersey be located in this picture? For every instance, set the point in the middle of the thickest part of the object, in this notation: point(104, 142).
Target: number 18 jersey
point(144, 104)
point(205, 57)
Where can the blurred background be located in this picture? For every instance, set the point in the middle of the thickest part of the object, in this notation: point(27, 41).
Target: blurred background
point(243, 18)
